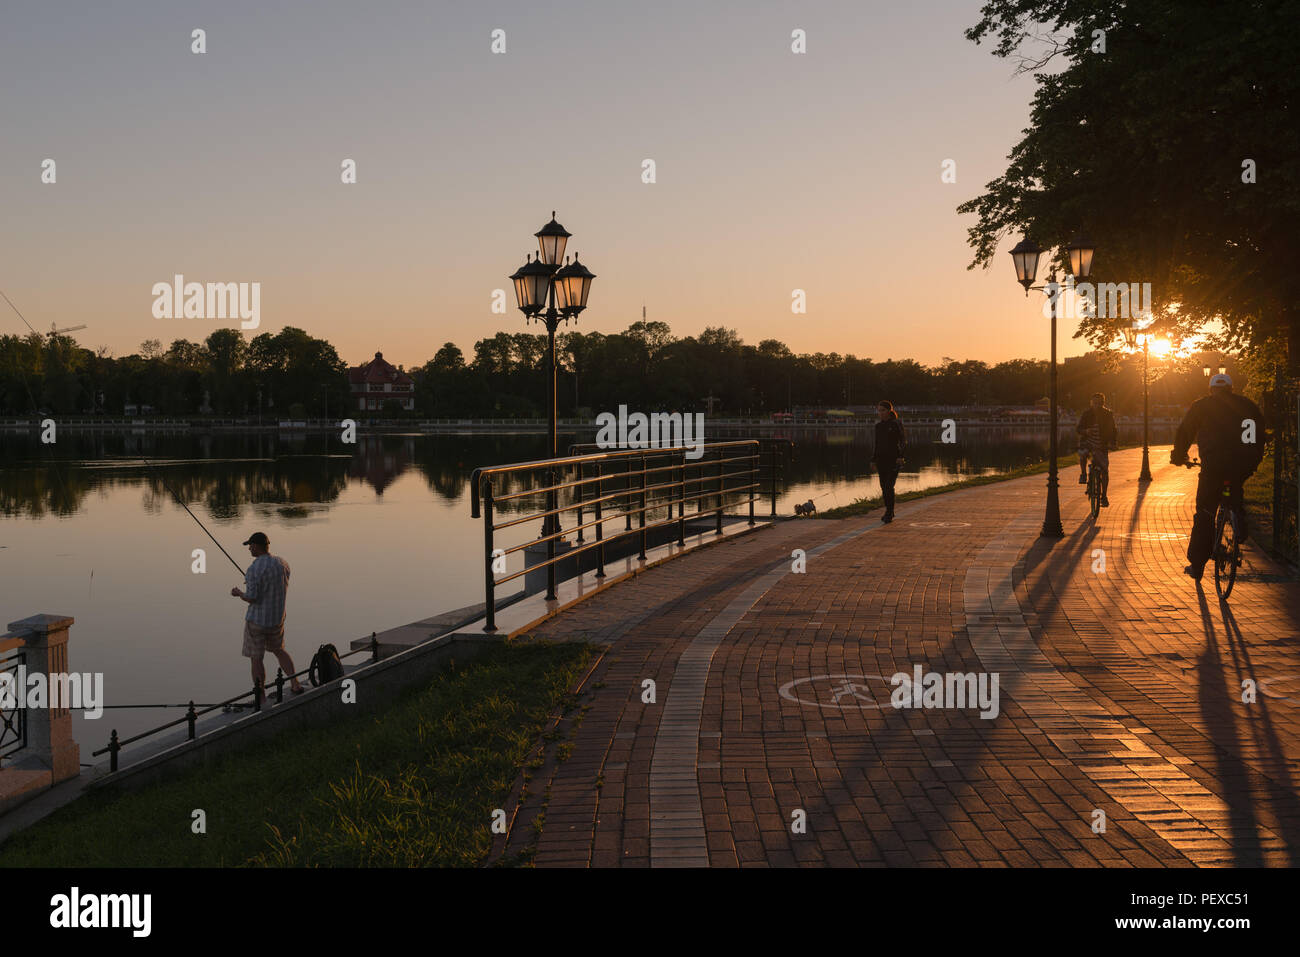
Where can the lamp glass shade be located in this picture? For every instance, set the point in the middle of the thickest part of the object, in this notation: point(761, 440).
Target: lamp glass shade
point(572, 286)
point(1025, 256)
point(532, 283)
point(1081, 251)
point(523, 290)
point(551, 240)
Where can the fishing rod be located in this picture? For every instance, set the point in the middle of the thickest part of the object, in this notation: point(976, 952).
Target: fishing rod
point(181, 503)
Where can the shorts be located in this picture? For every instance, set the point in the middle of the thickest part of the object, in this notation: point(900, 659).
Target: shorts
point(1099, 454)
point(258, 640)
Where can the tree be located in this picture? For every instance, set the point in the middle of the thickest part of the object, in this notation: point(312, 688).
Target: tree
point(1176, 149)
point(1143, 146)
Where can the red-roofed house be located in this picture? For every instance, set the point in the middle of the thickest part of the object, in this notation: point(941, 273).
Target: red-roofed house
point(378, 381)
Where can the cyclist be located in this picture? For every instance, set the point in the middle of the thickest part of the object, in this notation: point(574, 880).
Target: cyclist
point(1229, 432)
point(1098, 437)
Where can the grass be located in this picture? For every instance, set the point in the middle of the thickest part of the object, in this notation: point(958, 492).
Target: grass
point(412, 786)
point(864, 505)
point(1257, 493)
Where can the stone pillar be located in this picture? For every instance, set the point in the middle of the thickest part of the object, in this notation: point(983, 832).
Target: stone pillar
point(49, 730)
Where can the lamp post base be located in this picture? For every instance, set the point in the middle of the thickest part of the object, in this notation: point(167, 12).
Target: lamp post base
point(1146, 466)
point(1052, 520)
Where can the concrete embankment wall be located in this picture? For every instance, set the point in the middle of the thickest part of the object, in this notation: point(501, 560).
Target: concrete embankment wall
point(377, 683)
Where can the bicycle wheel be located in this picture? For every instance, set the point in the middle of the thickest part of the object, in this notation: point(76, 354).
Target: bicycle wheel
point(1227, 552)
point(1094, 491)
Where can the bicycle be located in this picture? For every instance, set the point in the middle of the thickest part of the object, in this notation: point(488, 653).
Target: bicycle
point(1094, 487)
point(1228, 523)
point(1096, 484)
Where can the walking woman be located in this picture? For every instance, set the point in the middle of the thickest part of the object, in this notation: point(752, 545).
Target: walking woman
point(888, 454)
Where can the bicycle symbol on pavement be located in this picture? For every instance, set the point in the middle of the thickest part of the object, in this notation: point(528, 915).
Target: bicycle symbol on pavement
point(841, 692)
point(940, 524)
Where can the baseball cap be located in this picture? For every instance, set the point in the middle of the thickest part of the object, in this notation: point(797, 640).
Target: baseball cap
point(1221, 379)
point(257, 538)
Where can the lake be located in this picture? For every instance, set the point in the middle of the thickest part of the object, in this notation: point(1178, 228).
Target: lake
point(377, 534)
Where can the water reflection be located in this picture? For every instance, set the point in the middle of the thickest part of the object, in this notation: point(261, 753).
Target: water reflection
point(226, 474)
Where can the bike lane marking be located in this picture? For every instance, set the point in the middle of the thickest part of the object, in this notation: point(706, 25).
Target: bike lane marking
point(677, 835)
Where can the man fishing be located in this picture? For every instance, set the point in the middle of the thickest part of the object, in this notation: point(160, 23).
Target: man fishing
point(267, 581)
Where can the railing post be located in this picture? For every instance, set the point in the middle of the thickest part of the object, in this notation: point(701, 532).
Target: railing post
point(722, 467)
point(578, 497)
point(113, 748)
point(641, 555)
point(489, 581)
point(600, 537)
point(756, 468)
point(681, 501)
point(258, 692)
point(627, 492)
point(553, 524)
point(191, 719)
point(279, 686)
point(774, 479)
point(374, 647)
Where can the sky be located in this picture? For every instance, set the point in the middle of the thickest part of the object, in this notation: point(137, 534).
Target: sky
point(774, 171)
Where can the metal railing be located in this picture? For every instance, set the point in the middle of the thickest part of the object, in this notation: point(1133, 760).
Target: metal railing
point(193, 712)
point(647, 489)
point(13, 721)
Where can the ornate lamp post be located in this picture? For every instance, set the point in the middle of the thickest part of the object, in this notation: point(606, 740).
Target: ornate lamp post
point(1131, 336)
point(1025, 255)
point(540, 284)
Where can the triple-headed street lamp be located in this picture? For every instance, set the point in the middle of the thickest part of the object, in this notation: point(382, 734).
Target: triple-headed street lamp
point(1131, 336)
point(541, 284)
point(1025, 256)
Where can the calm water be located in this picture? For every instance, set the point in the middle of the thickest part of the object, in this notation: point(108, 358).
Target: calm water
point(377, 535)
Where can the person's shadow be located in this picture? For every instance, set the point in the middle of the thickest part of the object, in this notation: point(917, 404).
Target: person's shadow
point(1219, 702)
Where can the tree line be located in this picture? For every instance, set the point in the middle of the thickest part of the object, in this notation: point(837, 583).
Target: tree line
point(644, 367)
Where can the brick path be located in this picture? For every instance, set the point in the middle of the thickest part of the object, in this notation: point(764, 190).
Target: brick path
point(1120, 692)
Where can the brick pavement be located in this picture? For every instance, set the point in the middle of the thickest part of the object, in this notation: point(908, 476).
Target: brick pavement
point(1120, 692)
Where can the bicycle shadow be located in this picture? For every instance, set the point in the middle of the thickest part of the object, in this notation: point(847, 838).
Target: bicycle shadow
point(1217, 703)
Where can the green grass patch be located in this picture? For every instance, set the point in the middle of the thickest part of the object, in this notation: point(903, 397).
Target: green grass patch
point(1257, 492)
point(412, 786)
point(864, 505)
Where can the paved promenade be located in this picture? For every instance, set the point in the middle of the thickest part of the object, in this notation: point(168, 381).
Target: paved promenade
point(772, 740)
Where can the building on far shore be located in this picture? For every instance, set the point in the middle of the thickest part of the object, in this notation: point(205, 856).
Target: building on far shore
point(377, 381)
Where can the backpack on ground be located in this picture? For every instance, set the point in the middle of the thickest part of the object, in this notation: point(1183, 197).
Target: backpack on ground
point(325, 666)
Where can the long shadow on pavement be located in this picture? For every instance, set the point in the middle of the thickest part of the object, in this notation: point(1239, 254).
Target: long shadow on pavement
point(1266, 737)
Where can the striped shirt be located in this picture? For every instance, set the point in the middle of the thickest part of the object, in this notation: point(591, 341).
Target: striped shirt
point(266, 585)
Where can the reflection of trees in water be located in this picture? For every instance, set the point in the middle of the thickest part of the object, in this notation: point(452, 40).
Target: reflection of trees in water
point(447, 461)
point(36, 492)
point(840, 456)
point(241, 472)
point(225, 473)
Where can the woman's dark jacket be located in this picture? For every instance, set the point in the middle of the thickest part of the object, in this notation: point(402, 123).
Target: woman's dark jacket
point(890, 443)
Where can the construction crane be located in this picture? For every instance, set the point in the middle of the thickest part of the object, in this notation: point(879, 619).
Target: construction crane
point(54, 332)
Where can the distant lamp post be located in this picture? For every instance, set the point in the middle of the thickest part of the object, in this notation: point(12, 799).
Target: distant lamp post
point(540, 284)
point(1025, 256)
point(1131, 337)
